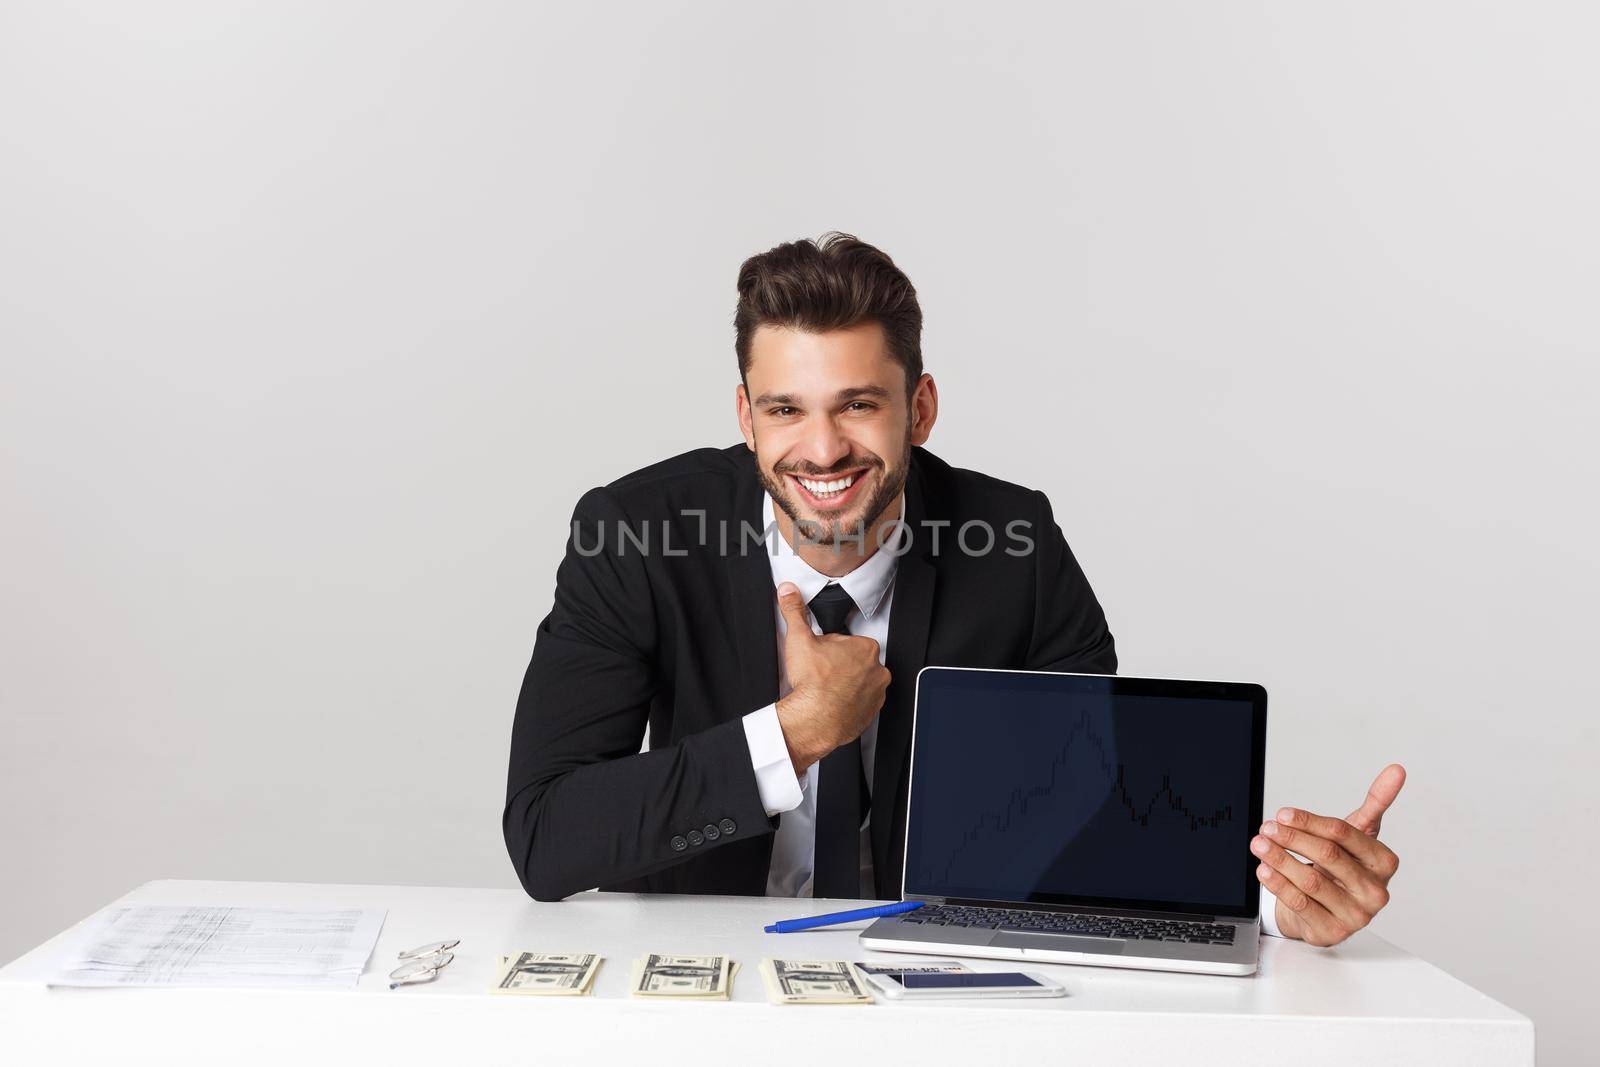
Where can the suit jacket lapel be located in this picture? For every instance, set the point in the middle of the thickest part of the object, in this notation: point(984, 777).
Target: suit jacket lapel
point(750, 591)
point(909, 618)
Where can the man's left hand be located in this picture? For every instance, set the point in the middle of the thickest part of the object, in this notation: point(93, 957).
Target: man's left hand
point(1347, 881)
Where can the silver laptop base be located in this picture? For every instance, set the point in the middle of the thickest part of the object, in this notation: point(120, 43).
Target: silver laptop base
point(1241, 958)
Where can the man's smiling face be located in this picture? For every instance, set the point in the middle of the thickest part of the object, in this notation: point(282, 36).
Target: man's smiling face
point(828, 419)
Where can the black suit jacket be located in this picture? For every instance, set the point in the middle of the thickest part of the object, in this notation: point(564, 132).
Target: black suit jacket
point(657, 626)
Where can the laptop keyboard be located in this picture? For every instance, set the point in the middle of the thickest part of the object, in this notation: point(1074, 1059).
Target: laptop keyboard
point(1055, 922)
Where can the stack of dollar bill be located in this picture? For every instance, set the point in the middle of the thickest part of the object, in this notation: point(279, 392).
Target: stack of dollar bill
point(931, 967)
point(877, 967)
point(547, 974)
point(813, 982)
point(683, 977)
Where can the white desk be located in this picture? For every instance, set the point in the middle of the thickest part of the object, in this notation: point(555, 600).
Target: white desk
point(1365, 1001)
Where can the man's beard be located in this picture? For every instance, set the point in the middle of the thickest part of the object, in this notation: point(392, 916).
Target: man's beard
point(834, 532)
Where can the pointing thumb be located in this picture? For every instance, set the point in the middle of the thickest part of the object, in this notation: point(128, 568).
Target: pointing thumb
point(793, 609)
point(1369, 816)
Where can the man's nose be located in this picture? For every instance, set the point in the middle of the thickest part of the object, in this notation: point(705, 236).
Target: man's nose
point(825, 445)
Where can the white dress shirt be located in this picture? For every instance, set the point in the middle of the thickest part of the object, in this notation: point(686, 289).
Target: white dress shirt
point(871, 586)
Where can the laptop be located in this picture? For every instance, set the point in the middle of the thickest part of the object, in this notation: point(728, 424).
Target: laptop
point(1081, 818)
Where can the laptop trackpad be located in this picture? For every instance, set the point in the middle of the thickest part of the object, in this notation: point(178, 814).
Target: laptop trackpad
point(1104, 946)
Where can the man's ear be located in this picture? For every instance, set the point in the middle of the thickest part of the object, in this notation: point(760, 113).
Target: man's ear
point(924, 409)
point(741, 401)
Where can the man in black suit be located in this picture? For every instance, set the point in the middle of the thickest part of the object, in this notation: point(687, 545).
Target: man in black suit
point(764, 609)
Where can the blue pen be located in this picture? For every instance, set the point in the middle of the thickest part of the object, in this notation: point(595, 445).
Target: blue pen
point(790, 926)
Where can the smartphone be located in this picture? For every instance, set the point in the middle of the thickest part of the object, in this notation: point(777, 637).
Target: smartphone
point(917, 985)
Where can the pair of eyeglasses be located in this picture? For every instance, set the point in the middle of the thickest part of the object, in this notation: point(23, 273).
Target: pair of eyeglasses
point(422, 964)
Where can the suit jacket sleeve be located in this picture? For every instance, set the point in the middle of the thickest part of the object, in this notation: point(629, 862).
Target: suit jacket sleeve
point(1069, 628)
point(584, 807)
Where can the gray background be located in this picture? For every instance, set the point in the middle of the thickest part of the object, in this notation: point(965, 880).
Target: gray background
point(317, 318)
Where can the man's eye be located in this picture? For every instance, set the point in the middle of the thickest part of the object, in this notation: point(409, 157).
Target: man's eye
point(861, 405)
point(782, 413)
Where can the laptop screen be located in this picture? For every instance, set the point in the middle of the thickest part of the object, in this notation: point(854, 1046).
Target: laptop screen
point(1086, 790)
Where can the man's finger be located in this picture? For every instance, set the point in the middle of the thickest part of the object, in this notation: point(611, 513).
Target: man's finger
point(1373, 854)
point(1318, 885)
point(793, 608)
point(1317, 924)
point(1358, 880)
point(1369, 816)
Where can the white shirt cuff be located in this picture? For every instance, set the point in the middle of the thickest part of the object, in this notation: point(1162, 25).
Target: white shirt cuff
point(1269, 913)
point(769, 756)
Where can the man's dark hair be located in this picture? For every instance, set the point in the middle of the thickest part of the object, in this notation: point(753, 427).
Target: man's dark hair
point(832, 283)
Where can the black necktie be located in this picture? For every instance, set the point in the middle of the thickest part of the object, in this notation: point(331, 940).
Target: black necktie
point(842, 798)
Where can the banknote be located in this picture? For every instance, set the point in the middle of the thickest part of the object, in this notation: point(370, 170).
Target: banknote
point(548, 974)
point(931, 967)
point(813, 982)
point(688, 977)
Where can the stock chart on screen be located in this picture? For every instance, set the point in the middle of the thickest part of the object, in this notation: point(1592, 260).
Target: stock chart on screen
point(1023, 792)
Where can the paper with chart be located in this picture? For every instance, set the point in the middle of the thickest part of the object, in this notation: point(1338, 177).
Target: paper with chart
point(175, 945)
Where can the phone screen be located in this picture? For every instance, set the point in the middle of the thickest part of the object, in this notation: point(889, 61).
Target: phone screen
point(960, 980)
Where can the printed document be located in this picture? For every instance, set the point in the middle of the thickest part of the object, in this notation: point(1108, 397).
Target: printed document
point(173, 945)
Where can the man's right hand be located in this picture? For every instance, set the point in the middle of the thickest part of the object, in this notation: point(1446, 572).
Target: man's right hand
point(839, 685)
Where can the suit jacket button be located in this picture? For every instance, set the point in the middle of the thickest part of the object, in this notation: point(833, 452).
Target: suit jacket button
point(729, 826)
point(696, 837)
point(711, 831)
point(679, 844)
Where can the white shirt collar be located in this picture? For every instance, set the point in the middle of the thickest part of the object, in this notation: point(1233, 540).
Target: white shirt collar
point(867, 584)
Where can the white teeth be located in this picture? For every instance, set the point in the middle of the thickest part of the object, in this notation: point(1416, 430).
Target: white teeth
point(828, 488)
